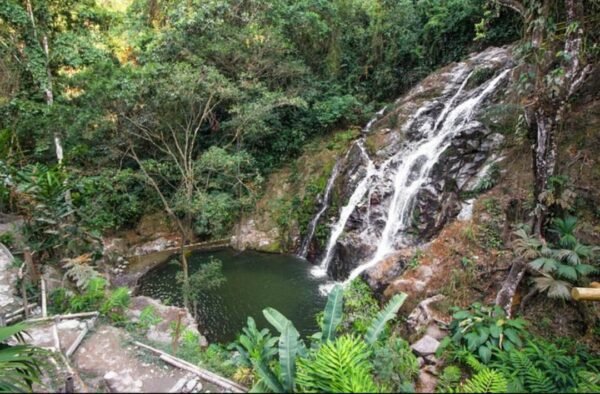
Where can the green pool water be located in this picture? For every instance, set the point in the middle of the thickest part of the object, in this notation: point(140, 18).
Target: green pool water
point(254, 282)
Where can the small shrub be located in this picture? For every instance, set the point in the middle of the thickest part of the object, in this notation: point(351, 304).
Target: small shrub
point(115, 305)
point(484, 330)
point(59, 301)
point(449, 378)
point(92, 298)
point(8, 239)
point(395, 364)
point(359, 307)
point(148, 318)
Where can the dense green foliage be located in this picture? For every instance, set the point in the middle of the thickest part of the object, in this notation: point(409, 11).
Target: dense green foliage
point(516, 361)
point(94, 297)
point(274, 75)
point(561, 264)
point(483, 330)
point(331, 363)
point(19, 363)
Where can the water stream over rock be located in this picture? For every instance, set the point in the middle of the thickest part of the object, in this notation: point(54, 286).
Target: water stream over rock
point(312, 226)
point(402, 191)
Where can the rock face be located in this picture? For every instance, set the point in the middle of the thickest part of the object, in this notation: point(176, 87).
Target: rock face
point(251, 237)
point(418, 157)
point(8, 279)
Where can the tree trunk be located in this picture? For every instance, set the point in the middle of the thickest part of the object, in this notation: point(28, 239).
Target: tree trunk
point(506, 295)
point(184, 267)
point(544, 164)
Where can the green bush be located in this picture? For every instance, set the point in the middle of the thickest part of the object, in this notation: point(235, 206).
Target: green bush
point(395, 365)
point(59, 300)
point(92, 298)
point(7, 239)
point(360, 307)
point(484, 330)
point(112, 199)
point(148, 318)
point(116, 303)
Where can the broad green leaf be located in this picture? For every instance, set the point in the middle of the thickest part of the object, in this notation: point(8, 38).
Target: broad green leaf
point(567, 271)
point(288, 349)
point(460, 315)
point(495, 331)
point(267, 376)
point(385, 315)
point(276, 318)
point(333, 313)
point(512, 335)
point(485, 354)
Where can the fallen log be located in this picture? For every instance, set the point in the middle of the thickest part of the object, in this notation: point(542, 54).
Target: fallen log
point(203, 373)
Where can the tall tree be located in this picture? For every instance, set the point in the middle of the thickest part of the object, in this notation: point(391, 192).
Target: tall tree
point(559, 54)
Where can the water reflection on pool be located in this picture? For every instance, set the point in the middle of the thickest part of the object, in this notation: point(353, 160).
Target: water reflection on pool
point(254, 282)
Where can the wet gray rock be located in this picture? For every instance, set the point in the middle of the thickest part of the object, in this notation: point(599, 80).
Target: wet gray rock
point(425, 346)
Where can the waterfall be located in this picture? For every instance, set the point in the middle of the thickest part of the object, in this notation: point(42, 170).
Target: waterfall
point(375, 118)
point(324, 205)
point(355, 198)
point(417, 162)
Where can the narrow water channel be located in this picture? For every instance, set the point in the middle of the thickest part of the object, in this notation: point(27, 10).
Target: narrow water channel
point(254, 282)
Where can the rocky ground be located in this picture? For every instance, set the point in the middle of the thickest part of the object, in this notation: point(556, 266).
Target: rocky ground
point(108, 360)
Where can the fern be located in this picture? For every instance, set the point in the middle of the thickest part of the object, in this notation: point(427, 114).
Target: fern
point(449, 378)
point(589, 382)
point(538, 382)
point(486, 381)
point(80, 272)
point(341, 366)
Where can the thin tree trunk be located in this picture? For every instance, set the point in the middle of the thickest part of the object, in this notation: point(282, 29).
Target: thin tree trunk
point(506, 295)
point(184, 267)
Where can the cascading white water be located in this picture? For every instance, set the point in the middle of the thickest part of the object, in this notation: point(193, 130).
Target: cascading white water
point(324, 205)
point(371, 122)
point(338, 228)
point(414, 169)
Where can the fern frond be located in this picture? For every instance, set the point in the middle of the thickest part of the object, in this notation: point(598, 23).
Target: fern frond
point(537, 382)
point(486, 381)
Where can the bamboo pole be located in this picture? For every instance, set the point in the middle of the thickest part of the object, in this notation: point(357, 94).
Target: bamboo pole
point(75, 345)
point(55, 333)
point(64, 317)
point(203, 373)
point(177, 363)
point(43, 288)
point(19, 311)
point(586, 293)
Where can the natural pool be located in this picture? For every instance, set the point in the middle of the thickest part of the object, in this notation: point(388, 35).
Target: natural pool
point(254, 281)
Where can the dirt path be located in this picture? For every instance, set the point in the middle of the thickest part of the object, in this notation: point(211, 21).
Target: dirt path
point(106, 360)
